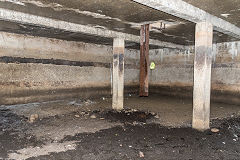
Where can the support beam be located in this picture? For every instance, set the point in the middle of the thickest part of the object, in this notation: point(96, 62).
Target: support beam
point(202, 75)
point(24, 18)
point(144, 60)
point(118, 73)
point(188, 12)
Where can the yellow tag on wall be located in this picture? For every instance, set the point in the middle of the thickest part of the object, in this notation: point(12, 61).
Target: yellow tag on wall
point(152, 65)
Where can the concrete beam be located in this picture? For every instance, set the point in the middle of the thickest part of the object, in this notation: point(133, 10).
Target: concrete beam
point(144, 60)
point(24, 18)
point(188, 12)
point(118, 73)
point(202, 75)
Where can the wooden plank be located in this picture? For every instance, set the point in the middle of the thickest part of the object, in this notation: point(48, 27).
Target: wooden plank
point(144, 60)
point(202, 75)
point(118, 74)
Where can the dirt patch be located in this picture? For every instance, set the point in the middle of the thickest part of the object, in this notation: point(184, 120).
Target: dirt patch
point(80, 129)
point(127, 116)
point(13, 135)
point(154, 142)
point(55, 128)
point(10, 120)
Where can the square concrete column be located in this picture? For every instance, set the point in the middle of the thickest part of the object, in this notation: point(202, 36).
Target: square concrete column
point(118, 74)
point(202, 75)
point(144, 60)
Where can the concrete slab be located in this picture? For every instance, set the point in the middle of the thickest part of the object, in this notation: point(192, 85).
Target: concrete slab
point(191, 13)
point(29, 22)
point(228, 10)
point(123, 16)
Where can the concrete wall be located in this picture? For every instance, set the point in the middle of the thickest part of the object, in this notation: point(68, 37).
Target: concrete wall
point(174, 73)
point(39, 69)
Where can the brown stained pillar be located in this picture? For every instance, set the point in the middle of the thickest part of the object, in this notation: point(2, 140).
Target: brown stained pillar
point(144, 60)
point(118, 73)
point(202, 76)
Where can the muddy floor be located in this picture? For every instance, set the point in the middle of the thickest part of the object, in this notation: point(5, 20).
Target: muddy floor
point(90, 130)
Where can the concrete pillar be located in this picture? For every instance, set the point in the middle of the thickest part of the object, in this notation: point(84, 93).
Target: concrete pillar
point(202, 76)
point(144, 60)
point(118, 74)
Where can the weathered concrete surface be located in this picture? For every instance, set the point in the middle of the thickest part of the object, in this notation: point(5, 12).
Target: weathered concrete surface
point(21, 81)
point(118, 74)
point(227, 10)
point(63, 26)
point(202, 75)
point(122, 16)
point(35, 69)
point(174, 73)
point(191, 13)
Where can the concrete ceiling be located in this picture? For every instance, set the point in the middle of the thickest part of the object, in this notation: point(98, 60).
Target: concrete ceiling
point(228, 10)
point(119, 15)
point(34, 30)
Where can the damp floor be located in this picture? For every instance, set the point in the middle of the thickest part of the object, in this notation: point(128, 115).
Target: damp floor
point(156, 127)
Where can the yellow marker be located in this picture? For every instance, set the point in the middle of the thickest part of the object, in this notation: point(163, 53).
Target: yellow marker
point(152, 66)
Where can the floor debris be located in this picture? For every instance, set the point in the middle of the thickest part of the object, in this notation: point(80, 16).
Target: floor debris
point(214, 130)
point(141, 155)
point(113, 135)
point(33, 118)
point(93, 116)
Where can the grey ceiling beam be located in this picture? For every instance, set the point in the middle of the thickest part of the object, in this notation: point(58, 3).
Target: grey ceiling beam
point(24, 18)
point(188, 12)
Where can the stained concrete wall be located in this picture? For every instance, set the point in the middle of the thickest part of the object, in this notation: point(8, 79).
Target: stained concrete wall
point(39, 69)
point(174, 73)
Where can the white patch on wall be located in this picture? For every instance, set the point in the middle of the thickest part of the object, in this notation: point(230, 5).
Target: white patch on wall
point(214, 53)
point(238, 47)
point(185, 56)
point(233, 49)
point(97, 26)
point(188, 54)
point(14, 1)
point(225, 15)
point(161, 55)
